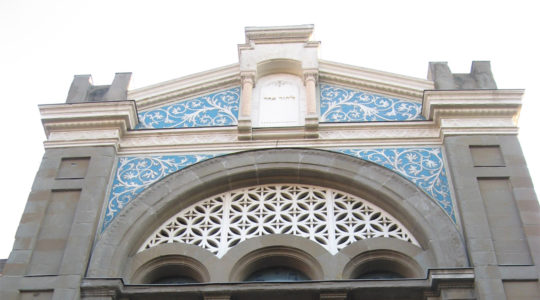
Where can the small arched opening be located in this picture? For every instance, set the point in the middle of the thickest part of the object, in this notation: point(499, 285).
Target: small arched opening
point(171, 269)
point(277, 264)
point(382, 264)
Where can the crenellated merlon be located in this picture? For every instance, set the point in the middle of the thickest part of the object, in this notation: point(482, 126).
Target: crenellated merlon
point(83, 90)
point(480, 77)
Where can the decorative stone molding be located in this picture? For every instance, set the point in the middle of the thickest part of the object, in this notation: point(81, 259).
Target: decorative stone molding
point(185, 87)
point(293, 42)
point(87, 123)
point(373, 80)
point(437, 282)
point(470, 111)
point(279, 34)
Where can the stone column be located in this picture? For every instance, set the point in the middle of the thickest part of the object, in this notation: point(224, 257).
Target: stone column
point(310, 81)
point(244, 119)
point(312, 118)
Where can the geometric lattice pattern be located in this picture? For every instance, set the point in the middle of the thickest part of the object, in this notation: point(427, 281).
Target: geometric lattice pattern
point(340, 104)
point(423, 166)
point(331, 218)
point(216, 109)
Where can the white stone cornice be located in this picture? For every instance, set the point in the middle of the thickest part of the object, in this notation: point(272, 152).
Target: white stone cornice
point(279, 34)
point(105, 123)
point(373, 80)
point(473, 108)
point(331, 135)
point(166, 92)
point(90, 122)
point(219, 140)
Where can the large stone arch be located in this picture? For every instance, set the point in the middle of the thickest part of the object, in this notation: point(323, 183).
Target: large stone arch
point(437, 234)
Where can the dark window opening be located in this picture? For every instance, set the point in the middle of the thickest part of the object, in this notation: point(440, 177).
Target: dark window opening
point(277, 274)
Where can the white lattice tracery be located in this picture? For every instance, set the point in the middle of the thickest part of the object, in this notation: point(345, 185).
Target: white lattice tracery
point(329, 217)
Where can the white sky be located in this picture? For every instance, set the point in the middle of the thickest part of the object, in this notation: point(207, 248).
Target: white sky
point(44, 43)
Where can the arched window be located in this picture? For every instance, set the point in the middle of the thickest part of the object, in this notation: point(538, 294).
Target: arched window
point(382, 264)
point(171, 269)
point(331, 218)
point(276, 263)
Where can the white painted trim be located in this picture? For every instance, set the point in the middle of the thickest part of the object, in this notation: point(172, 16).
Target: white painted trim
point(373, 80)
point(184, 87)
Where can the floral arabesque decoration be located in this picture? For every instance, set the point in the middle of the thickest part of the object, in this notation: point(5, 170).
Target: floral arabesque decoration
point(134, 174)
point(422, 166)
point(216, 109)
point(340, 104)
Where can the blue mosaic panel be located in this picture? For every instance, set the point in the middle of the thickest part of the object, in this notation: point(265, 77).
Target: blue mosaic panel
point(134, 174)
point(340, 104)
point(422, 166)
point(216, 109)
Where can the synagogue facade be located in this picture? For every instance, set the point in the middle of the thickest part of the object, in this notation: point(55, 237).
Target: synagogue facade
point(281, 176)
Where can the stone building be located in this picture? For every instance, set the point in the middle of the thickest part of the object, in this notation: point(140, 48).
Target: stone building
point(281, 176)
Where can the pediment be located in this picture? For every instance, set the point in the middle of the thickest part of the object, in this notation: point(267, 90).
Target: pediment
point(174, 103)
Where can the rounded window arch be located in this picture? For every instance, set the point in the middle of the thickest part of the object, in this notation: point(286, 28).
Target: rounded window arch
point(276, 263)
point(171, 269)
point(436, 234)
point(382, 264)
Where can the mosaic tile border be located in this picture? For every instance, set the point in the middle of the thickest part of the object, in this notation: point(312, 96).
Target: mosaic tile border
point(339, 104)
point(134, 174)
point(423, 166)
point(216, 109)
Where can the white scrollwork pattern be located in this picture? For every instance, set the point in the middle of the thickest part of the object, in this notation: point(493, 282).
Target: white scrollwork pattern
point(331, 218)
point(422, 166)
point(216, 109)
point(134, 174)
point(340, 104)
